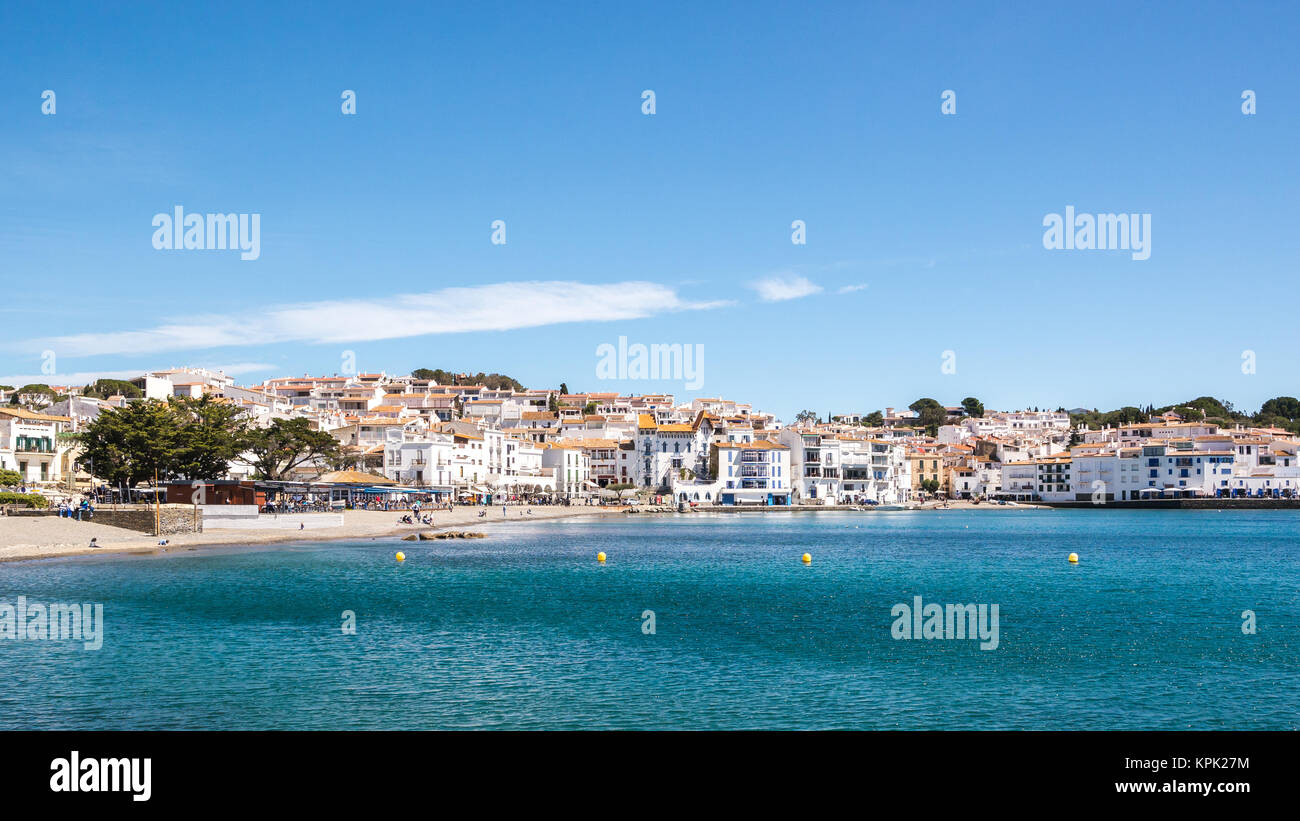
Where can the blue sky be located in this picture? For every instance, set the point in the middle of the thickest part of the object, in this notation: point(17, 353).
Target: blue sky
point(924, 231)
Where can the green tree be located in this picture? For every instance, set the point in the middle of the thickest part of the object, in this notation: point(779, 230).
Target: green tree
point(932, 416)
point(806, 417)
point(589, 409)
point(343, 461)
point(10, 478)
point(104, 388)
point(923, 403)
point(126, 445)
point(212, 434)
point(564, 388)
point(874, 419)
point(1287, 407)
point(495, 381)
point(286, 444)
point(973, 406)
point(37, 389)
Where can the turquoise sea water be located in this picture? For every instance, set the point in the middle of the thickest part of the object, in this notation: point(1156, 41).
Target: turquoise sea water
point(526, 630)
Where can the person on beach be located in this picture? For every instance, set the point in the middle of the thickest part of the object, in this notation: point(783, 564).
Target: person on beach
point(93, 542)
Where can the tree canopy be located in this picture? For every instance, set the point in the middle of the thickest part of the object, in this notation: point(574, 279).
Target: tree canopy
point(35, 388)
point(494, 381)
point(127, 445)
point(194, 438)
point(287, 443)
point(930, 414)
point(104, 388)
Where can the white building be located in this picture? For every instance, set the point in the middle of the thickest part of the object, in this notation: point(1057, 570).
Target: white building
point(570, 466)
point(756, 472)
point(29, 444)
point(420, 460)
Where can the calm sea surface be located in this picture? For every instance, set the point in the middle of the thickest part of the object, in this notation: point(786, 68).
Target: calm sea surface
point(526, 630)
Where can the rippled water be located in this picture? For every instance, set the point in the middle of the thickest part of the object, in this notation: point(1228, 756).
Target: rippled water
point(526, 630)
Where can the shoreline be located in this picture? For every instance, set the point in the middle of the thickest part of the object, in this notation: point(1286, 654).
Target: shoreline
point(358, 525)
point(38, 538)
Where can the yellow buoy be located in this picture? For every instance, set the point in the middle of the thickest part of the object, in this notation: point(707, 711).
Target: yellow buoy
point(807, 558)
point(600, 557)
point(1074, 558)
point(401, 557)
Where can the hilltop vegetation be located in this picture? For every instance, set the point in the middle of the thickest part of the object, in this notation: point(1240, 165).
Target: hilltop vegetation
point(1282, 412)
point(490, 380)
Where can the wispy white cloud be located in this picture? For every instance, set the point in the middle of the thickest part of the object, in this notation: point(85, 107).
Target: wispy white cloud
point(849, 289)
point(86, 377)
point(498, 307)
point(241, 368)
point(781, 288)
point(82, 378)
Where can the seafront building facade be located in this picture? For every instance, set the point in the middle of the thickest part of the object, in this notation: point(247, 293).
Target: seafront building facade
point(491, 442)
point(30, 444)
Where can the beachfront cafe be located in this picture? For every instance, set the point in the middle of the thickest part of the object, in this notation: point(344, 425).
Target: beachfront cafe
point(346, 489)
point(353, 488)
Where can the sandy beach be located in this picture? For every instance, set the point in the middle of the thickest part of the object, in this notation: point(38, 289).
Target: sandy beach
point(44, 537)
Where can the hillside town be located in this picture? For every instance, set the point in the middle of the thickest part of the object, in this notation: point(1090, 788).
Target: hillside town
point(410, 437)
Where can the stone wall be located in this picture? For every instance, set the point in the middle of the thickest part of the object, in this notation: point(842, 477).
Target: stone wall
point(175, 519)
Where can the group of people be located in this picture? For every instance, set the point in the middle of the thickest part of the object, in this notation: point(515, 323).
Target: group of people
point(296, 505)
point(72, 510)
